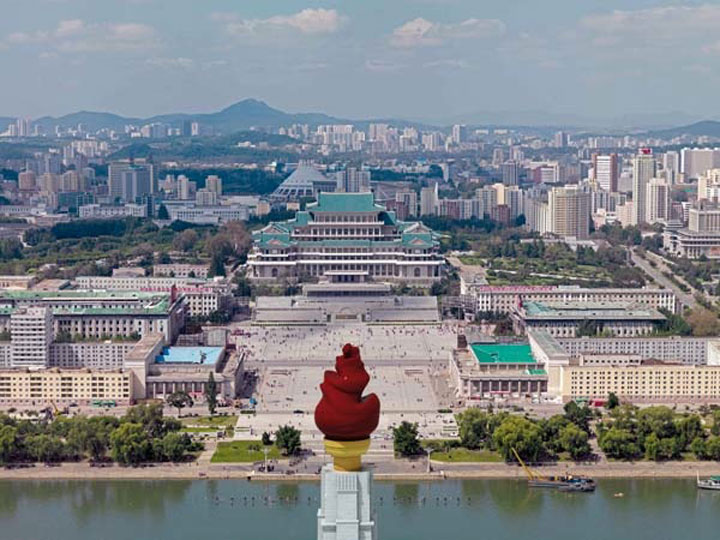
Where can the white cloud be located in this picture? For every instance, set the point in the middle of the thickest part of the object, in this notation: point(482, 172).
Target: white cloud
point(420, 32)
point(447, 63)
point(171, 63)
point(307, 21)
point(74, 35)
point(653, 25)
point(382, 66)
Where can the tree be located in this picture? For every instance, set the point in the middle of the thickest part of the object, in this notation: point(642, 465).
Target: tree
point(574, 441)
point(712, 448)
point(652, 447)
point(185, 241)
point(45, 448)
point(405, 439)
point(174, 445)
point(522, 435)
point(130, 444)
point(473, 428)
point(704, 322)
point(619, 444)
point(697, 447)
point(163, 212)
point(580, 416)
point(8, 443)
point(266, 439)
point(211, 393)
point(287, 439)
point(689, 428)
point(658, 420)
point(179, 400)
point(612, 401)
point(217, 267)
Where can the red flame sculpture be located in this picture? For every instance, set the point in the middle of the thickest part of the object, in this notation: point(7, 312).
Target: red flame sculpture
point(343, 414)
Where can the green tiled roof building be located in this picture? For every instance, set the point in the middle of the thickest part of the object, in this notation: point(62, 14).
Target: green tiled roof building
point(346, 238)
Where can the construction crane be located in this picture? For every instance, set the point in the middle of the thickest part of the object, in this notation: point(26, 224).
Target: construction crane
point(532, 475)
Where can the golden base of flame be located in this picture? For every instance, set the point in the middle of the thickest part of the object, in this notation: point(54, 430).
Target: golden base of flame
point(347, 454)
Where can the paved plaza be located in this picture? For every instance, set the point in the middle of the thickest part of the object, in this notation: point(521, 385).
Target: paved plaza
point(406, 365)
point(390, 344)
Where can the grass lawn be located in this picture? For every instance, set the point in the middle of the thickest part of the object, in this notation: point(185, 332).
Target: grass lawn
point(242, 452)
point(210, 421)
point(460, 455)
point(187, 429)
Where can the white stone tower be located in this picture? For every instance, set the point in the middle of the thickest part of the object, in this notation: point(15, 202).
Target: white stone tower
point(345, 511)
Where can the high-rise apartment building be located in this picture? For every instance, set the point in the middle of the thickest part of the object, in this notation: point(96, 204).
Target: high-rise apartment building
point(27, 181)
point(353, 180)
point(697, 161)
point(459, 133)
point(428, 200)
point(130, 181)
point(569, 209)
point(643, 171)
point(31, 329)
point(606, 171)
point(510, 173)
point(186, 188)
point(214, 184)
point(658, 201)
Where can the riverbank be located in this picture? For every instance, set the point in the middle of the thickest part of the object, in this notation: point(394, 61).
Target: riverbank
point(383, 472)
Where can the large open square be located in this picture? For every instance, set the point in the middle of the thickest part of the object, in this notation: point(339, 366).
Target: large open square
point(407, 365)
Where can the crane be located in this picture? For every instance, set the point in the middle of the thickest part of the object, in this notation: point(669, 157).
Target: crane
point(532, 475)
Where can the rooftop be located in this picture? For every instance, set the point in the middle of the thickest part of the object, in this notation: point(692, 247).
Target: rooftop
point(590, 310)
point(190, 355)
point(502, 353)
point(345, 202)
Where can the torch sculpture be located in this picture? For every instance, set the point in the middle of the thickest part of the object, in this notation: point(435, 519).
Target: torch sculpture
point(347, 419)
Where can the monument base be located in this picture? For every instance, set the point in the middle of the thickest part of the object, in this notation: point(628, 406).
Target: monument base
point(345, 506)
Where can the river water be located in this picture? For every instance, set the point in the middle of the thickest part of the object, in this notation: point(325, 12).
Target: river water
point(456, 510)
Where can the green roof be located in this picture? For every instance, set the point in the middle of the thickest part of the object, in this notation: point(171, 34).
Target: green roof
point(345, 202)
point(502, 353)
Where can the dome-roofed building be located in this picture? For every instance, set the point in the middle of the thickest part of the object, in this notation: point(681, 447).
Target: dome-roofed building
point(305, 182)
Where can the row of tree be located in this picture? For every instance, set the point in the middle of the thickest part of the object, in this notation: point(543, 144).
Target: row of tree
point(658, 433)
point(534, 440)
point(142, 435)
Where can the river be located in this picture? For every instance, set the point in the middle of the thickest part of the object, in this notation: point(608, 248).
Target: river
point(456, 510)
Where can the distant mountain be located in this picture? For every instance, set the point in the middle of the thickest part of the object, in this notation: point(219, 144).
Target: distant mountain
point(5, 121)
point(246, 114)
point(241, 116)
point(92, 121)
point(706, 128)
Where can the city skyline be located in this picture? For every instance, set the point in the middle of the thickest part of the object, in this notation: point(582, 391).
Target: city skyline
point(427, 60)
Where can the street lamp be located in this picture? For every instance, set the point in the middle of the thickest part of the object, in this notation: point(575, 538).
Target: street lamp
point(265, 451)
point(429, 451)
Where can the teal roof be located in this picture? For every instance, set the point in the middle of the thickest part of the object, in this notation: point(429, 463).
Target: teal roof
point(502, 353)
point(345, 202)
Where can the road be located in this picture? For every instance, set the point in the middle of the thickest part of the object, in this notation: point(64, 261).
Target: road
point(687, 299)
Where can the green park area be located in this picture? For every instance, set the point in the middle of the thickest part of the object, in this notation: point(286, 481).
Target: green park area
point(243, 452)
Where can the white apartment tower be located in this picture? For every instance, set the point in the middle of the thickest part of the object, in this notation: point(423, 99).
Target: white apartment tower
point(643, 172)
point(606, 172)
point(31, 334)
point(658, 201)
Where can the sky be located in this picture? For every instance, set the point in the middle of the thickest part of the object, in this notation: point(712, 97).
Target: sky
point(434, 60)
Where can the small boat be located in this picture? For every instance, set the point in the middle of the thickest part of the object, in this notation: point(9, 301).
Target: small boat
point(618, 495)
point(712, 483)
